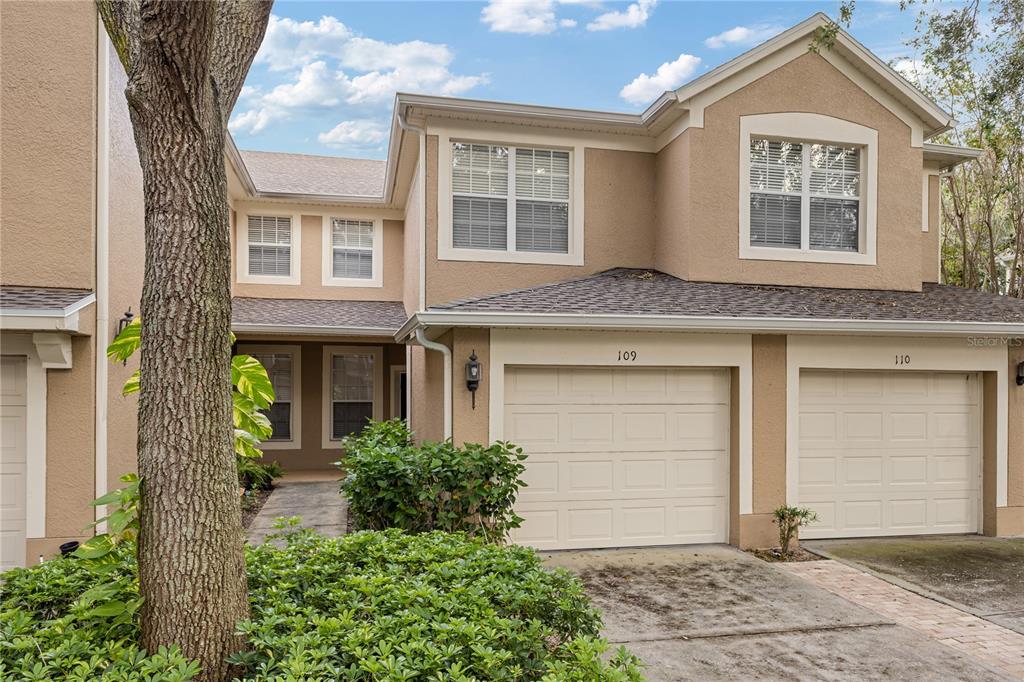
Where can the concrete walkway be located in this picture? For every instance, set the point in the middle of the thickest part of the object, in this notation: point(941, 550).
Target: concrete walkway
point(992, 644)
point(318, 502)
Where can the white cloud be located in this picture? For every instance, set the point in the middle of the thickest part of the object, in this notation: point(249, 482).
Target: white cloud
point(288, 44)
point(744, 35)
point(357, 133)
point(567, 23)
point(634, 16)
point(669, 76)
point(914, 70)
point(330, 66)
point(520, 16)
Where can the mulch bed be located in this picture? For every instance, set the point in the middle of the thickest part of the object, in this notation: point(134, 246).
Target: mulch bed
point(252, 503)
point(775, 555)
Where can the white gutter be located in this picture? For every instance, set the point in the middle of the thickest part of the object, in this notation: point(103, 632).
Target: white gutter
point(102, 266)
point(698, 323)
point(447, 354)
point(293, 330)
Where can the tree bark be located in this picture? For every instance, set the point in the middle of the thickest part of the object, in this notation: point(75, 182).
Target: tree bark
point(186, 62)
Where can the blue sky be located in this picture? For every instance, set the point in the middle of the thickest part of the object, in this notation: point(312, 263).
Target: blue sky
point(325, 78)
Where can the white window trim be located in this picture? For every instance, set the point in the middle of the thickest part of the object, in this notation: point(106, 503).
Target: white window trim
point(396, 389)
point(295, 442)
point(803, 127)
point(242, 240)
point(327, 249)
point(445, 238)
point(327, 442)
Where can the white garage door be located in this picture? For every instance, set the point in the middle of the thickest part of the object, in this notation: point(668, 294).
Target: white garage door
point(890, 453)
point(12, 462)
point(620, 457)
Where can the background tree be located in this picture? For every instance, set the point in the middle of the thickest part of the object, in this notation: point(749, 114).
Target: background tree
point(972, 61)
point(186, 62)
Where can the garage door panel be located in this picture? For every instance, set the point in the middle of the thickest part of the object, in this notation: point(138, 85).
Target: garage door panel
point(620, 456)
point(13, 461)
point(617, 523)
point(919, 473)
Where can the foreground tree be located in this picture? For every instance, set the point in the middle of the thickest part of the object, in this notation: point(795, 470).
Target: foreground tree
point(186, 62)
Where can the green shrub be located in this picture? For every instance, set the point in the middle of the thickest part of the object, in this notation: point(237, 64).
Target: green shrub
point(789, 520)
point(254, 475)
point(369, 606)
point(393, 483)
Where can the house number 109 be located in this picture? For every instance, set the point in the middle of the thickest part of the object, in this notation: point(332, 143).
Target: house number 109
point(902, 360)
point(627, 356)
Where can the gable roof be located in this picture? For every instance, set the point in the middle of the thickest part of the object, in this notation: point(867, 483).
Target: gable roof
point(359, 181)
point(650, 299)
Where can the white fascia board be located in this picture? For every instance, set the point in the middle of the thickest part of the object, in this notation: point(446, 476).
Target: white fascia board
point(705, 324)
point(516, 109)
point(311, 330)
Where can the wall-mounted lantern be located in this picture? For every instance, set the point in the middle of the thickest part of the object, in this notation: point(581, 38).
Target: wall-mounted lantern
point(1020, 374)
point(124, 321)
point(473, 373)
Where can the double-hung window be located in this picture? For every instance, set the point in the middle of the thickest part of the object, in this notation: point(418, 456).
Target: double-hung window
point(351, 249)
point(510, 199)
point(804, 195)
point(353, 390)
point(270, 246)
point(283, 369)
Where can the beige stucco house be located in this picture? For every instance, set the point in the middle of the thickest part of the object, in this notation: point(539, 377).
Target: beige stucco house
point(687, 317)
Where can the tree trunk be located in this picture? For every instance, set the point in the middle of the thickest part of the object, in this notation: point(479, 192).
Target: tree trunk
point(186, 62)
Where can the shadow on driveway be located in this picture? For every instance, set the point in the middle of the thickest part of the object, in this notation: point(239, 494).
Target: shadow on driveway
point(980, 575)
point(715, 613)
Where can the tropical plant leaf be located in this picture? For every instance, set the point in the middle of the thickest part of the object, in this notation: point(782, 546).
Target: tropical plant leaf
point(132, 384)
point(247, 416)
point(127, 342)
point(250, 379)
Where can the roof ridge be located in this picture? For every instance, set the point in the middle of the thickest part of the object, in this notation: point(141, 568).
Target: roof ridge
point(312, 156)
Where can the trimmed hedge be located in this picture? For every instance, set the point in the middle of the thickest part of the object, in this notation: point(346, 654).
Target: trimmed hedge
point(393, 483)
point(369, 606)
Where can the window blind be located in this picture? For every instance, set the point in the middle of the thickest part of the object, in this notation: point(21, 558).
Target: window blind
point(270, 245)
point(835, 203)
point(776, 170)
point(351, 393)
point(279, 371)
point(480, 187)
point(352, 248)
point(542, 200)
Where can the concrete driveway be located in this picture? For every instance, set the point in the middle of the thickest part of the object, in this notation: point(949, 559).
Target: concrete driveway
point(715, 613)
point(980, 575)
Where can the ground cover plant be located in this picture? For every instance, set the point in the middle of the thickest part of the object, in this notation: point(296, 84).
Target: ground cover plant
point(368, 606)
point(391, 482)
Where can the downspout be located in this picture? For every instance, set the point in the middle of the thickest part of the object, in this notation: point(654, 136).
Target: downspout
point(447, 353)
point(102, 264)
point(421, 181)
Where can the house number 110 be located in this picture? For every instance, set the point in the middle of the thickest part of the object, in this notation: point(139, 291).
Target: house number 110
point(902, 360)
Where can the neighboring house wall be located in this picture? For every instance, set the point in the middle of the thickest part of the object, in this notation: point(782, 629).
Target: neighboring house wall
point(930, 241)
point(806, 84)
point(48, 135)
point(126, 242)
point(1011, 519)
point(618, 213)
point(311, 252)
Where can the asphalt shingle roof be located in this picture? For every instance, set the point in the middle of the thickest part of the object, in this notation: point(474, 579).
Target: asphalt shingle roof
point(376, 316)
point(307, 174)
point(15, 298)
point(643, 292)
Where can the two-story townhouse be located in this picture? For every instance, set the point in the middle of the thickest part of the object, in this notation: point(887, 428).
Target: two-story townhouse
point(686, 317)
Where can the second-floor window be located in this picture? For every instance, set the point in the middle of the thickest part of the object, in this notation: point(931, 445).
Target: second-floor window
point(270, 246)
point(514, 199)
point(351, 249)
point(805, 195)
